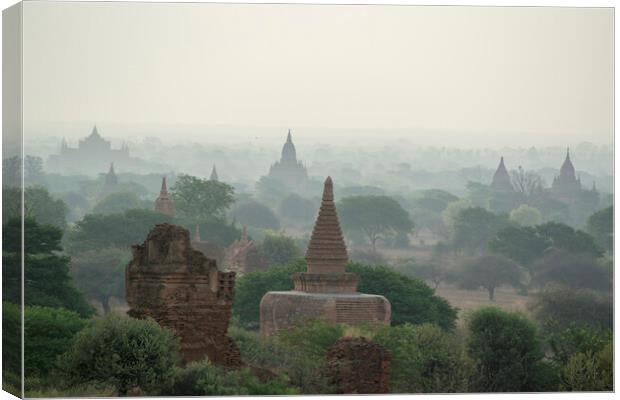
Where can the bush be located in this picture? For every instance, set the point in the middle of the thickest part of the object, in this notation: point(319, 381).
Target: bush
point(505, 351)
point(124, 353)
point(412, 300)
point(589, 372)
point(425, 359)
point(576, 270)
point(278, 249)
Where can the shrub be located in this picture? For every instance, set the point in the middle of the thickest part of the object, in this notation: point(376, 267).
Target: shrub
point(278, 249)
point(505, 351)
point(589, 371)
point(124, 353)
point(425, 359)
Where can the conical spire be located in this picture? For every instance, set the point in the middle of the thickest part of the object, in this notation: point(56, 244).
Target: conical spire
point(289, 138)
point(501, 178)
point(163, 203)
point(197, 234)
point(567, 170)
point(214, 176)
point(289, 154)
point(327, 252)
point(94, 132)
point(164, 189)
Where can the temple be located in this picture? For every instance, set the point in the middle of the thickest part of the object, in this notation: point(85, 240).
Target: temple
point(110, 183)
point(214, 176)
point(501, 179)
point(566, 185)
point(163, 203)
point(209, 249)
point(325, 290)
point(242, 256)
point(289, 170)
point(92, 152)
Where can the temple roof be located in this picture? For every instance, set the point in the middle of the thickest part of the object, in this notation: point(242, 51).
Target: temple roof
point(501, 178)
point(289, 154)
point(567, 171)
point(327, 252)
point(214, 176)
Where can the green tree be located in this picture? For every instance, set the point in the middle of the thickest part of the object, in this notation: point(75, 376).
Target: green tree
point(100, 274)
point(425, 359)
point(119, 202)
point(521, 244)
point(565, 306)
point(576, 270)
point(412, 300)
point(46, 274)
point(601, 227)
point(488, 272)
point(49, 332)
point(97, 231)
point(590, 371)
point(255, 214)
point(565, 237)
point(201, 199)
point(525, 215)
point(297, 210)
point(505, 350)
point(11, 348)
point(473, 228)
point(373, 216)
point(39, 205)
point(123, 352)
point(278, 249)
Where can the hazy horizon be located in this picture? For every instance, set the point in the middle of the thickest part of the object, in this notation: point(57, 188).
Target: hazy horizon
point(433, 76)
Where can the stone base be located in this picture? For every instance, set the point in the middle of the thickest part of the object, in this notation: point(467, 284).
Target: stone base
point(281, 310)
point(325, 283)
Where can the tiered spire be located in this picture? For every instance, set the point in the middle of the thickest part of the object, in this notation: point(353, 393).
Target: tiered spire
point(289, 154)
point(327, 252)
point(567, 171)
point(163, 203)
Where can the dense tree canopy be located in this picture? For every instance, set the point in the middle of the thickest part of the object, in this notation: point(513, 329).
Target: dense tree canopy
point(297, 210)
point(123, 352)
point(201, 199)
point(473, 227)
point(39, 205)
point(119, 202)
point(522, 244)
point(525, 215)
point(278, 249)
point(373, 216)
point(489, 272)
point(97, 231)
point(601, 227)
point(576, 270)
point(255, 214)
point(46, 274)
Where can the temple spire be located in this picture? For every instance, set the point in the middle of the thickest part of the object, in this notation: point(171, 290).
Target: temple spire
point(164, 188)
point(197, 234)
point(214, 176)
point(289, 138)
point(327, 252)
point(501, 179)
point(163, 203)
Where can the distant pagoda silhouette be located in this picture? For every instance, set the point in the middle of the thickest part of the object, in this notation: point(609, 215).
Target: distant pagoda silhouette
point(289, 170)
point(501, 179)
point(325, 290)
point(163, 203)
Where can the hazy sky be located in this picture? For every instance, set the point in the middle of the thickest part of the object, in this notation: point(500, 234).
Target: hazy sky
point(458, 75)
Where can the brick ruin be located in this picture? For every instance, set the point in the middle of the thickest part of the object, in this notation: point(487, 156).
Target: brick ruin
point(184, 291)
point(358, 366)
point(326, 290)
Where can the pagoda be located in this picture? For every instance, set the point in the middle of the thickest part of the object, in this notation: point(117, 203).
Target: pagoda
point(501, 179)
point(289, 171)
point(163, 203)
point(325, 290)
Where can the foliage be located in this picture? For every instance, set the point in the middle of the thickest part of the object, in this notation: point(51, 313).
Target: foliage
point(201, 199)
point(575, 339)
point(270, 190)
point(48, 332)
point(564, 237)
point(367, 257)
point(432, 270)
point(488, 272)
point(412, 300)
point(204, 379)
point(473, 227)
point(565, 306)
point(11, 347)
point(119, 202)
point(589, 372)
point(505, 351)
point(578, 271)
point(39, 205)
point(100, 274)
point(46, 274)
point(525, 215)
point(278, 249)
point(521, 244)
point(298, 210)
point(251, 287)
point(253, 213)
point(123, 352)
point(216, 230)
point(601, 227)
point(97, 231)
point(373, 216)
point(425, 359)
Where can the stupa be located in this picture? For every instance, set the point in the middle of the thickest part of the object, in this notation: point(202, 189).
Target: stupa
point(326, 290)
point(163, 203)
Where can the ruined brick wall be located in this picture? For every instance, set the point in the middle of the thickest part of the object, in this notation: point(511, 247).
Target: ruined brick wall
point(184, 291)
point(359, 366)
